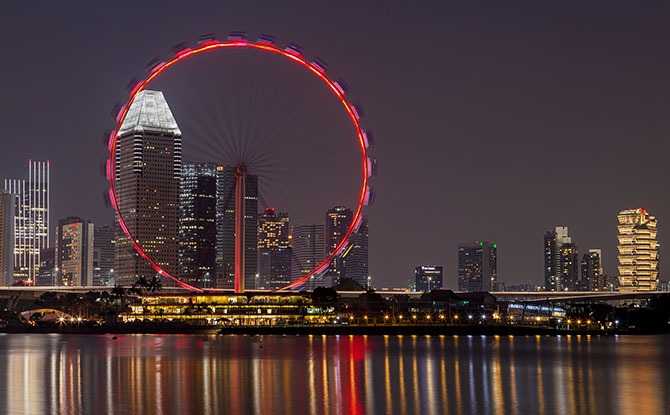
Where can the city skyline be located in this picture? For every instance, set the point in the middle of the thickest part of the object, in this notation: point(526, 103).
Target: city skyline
point(579, 275)
point(487, 113)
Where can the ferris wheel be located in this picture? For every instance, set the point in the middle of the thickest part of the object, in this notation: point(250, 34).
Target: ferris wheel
point(317, 70)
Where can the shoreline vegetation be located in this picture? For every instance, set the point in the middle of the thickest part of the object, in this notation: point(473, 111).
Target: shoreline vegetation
point(142, 309)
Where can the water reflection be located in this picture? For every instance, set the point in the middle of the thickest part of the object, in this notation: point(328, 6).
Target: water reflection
point(68, 374)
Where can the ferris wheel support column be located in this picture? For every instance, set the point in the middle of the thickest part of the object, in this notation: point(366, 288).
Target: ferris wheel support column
point(240, 198)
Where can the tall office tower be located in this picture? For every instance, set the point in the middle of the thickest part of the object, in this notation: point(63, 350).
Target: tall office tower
point(46, 275)
point(553, 241)
point(428, 277)
point(147, 173)
point(274, 251)
point(7, 212)
point(355, 257)
point(569, 267)
point(31, 219)
point(197, 224)
point(592, 278)
point(74, 251)
point(308, 252)
point(478, 266)
point(338, 220)
point(225, 228)
point(638, 251)
point(103, 255)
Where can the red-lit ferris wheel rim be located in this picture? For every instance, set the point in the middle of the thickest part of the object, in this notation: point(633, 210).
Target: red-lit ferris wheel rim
point(292, 54)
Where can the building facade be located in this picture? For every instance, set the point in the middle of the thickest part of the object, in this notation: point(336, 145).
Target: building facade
point(559, 261)
point(47, 273)
point(638, 251)
point(309, 251)
point(7, 212)
point(478, 266)
point(74, 252)
point(592, 278)
point(428, 277)
point(147, 174)
point(197, 224)
point(568, 267)
point(274, 250)
point(103, 256)
point(225, 228)
point(355, 258)
point(31, 219)
point(338, 220)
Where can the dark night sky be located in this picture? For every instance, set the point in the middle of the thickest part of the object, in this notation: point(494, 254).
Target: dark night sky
point(493, 120)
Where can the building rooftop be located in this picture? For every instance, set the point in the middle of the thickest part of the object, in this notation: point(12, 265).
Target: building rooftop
point(149, 112)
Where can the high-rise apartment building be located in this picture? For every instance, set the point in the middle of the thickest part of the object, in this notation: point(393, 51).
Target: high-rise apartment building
point(197, 224)
point(338, 220)
point(103, 255)
point(7, 212)
point(308, 252)
point(638, 251)
point(568, 268)
point(274, 250)
point(592, 278)
point(559, 264)
point(478, 266)
point(428, 277)
point(47, 272)
point(225, 228)
point(31, 219)
point(355, 257)
point(74, 252)
point(147, 174)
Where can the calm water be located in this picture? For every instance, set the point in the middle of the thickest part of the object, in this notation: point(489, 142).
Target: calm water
point(142, 374)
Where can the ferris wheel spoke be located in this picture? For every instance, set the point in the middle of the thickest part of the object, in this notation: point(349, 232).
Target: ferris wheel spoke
point(269, 126)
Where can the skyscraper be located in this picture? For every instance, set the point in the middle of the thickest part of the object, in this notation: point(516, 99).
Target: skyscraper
point(103, 255)
point(592, 278)
point(477, 266)
point(274, 251)
point(638, 251)
point(74, 251)
point(569, 266)
point(338, 220)
point(197, 224)
point(558, 273)
point(355, 257)
point(225, 228)
point(147, 174)
point(31, 219)
point(7, 212)
point(428, 277)
point(308, 252)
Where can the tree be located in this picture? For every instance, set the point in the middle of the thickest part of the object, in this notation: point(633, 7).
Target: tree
point(154, 284)
point(140, 285)
point(325, 296)
point(348, 284)
point(119, 293)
